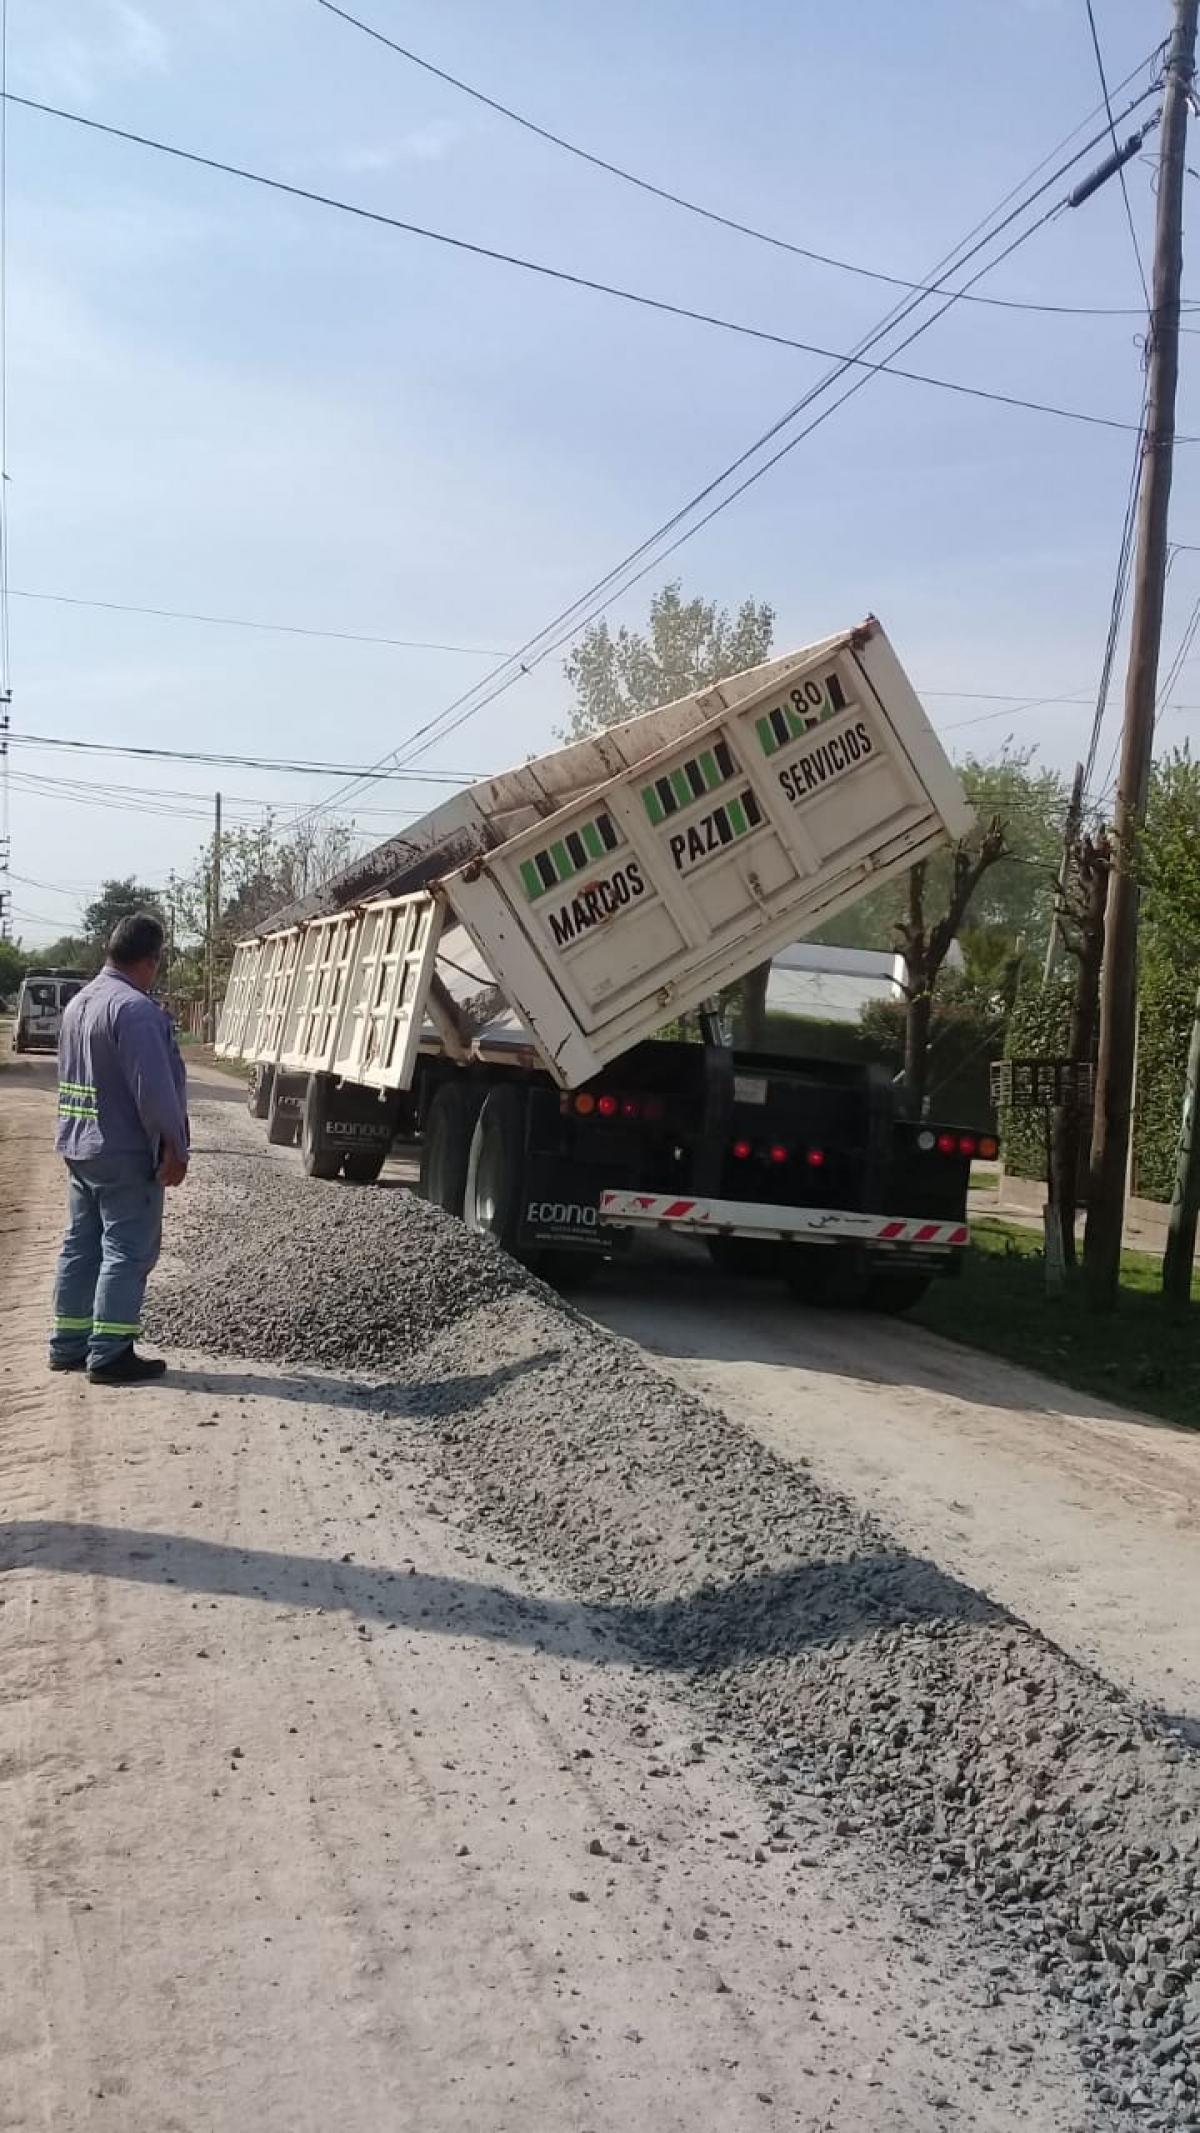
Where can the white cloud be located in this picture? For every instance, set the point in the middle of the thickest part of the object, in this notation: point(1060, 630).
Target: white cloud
point(426, 144)
point(138, 40)
point(120, 42)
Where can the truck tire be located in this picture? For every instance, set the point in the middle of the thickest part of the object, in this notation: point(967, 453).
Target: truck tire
point(363, 1165)
point(258, 1093)
point(569, 1272)
point(283, 1127)
point(319, 1161)
point(496, 1167)
point(828, 1278)
point(895, 1293)
point(747, 1258)
point(446, 1144)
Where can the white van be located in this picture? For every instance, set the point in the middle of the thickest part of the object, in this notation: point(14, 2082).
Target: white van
point(40, 1004)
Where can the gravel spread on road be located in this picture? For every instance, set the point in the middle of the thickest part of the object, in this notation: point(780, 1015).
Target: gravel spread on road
point(897, 1698)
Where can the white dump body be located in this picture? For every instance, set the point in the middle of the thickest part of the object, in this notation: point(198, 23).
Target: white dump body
point(578, 903)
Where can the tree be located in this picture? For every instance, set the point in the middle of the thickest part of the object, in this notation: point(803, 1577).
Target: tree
point(116, 900)
point(1016, 899)
point(925, 943)
point(261, 873)
point(13, 964)
point(1170, 863)
point(689, 645)
point(69, 952)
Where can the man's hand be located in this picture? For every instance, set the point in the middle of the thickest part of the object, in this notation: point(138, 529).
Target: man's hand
point(173, 1168)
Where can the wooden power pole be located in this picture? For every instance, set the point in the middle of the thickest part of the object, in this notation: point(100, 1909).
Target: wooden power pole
point(214, 924)
point(1118, 990)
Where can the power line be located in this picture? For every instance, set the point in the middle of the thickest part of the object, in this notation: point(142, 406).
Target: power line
point(244, 622)
point(694, 207)
point(1112, 127)
point(543, 643)
point(565, 275)
point(243, 762)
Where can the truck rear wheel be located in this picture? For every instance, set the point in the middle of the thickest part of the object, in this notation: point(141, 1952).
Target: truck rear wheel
point(362, 1166)
point(747, 1258)
point(319, 1161)
point(446, 1144)
point(495, 1170)
point(894, 1293)
point(258, 1093)
point(829, 1277)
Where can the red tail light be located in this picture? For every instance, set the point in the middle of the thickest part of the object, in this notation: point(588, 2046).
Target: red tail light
point(742, 1150)
point(815, 1158)
point(779, 1154)
point(946, 1144)
point(967, 1144)
point(629, 1107)
point(607, 1106)
point(652, 1109)
point(989, 1150)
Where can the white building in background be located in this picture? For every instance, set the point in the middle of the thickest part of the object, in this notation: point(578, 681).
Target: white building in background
point(835, 984)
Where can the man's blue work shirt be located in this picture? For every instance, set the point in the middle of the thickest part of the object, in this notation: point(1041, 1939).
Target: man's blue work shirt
point(122, 1089)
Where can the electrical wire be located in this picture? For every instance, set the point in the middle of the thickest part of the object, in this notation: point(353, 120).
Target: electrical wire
point(562, 274)
point(693, 207)
point(242, 762)
point(244, 622)
point(1112, 127)
point(572, 618)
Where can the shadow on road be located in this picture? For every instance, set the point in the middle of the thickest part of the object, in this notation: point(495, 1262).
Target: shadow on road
point(782, 1612)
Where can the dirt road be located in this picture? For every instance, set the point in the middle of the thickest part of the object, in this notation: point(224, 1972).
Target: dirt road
point(305, 1819)
point(1080, 1517)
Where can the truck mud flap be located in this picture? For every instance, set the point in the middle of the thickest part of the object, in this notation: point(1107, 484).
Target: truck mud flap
point(561, 1210)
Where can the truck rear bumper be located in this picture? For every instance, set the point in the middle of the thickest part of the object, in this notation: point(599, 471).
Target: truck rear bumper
point(751, 1218)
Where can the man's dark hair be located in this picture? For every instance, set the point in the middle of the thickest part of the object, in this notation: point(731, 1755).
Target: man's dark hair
point(134, 938)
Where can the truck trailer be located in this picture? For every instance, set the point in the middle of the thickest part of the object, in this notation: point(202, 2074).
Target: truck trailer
point(502, 989)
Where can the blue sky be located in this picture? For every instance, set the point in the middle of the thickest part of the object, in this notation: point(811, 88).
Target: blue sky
point(226, 401)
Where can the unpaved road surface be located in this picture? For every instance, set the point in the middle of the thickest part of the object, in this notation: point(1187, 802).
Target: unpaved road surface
point(1080, 1517)
point(318, 1803)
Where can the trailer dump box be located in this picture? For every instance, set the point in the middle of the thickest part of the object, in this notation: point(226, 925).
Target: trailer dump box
point(612, 885)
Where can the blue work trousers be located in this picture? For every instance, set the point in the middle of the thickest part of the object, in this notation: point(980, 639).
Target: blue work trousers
point(112, 1240)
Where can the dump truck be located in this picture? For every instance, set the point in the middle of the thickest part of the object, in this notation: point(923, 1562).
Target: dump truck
point(512, 990)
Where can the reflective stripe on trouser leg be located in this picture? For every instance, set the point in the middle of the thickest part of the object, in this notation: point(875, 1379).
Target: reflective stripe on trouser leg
point(77, 1273)
point(131, 1208)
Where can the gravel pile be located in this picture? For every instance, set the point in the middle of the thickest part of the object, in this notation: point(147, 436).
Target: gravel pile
point(867, 1677)
point(293, 1270)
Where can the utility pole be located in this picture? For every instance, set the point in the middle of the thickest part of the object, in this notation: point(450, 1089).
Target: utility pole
point(214, 926)
point(1185, 1199)
point(1118, 989)
point(1071, 830)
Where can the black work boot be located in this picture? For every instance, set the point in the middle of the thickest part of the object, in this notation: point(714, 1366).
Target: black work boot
point(68, 1362)
point(127, 1368)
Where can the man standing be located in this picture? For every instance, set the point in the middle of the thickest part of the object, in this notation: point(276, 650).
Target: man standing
point(123, 1129)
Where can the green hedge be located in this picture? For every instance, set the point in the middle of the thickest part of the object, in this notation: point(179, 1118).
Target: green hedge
point(1038, 1028)
point(1168, 1003)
